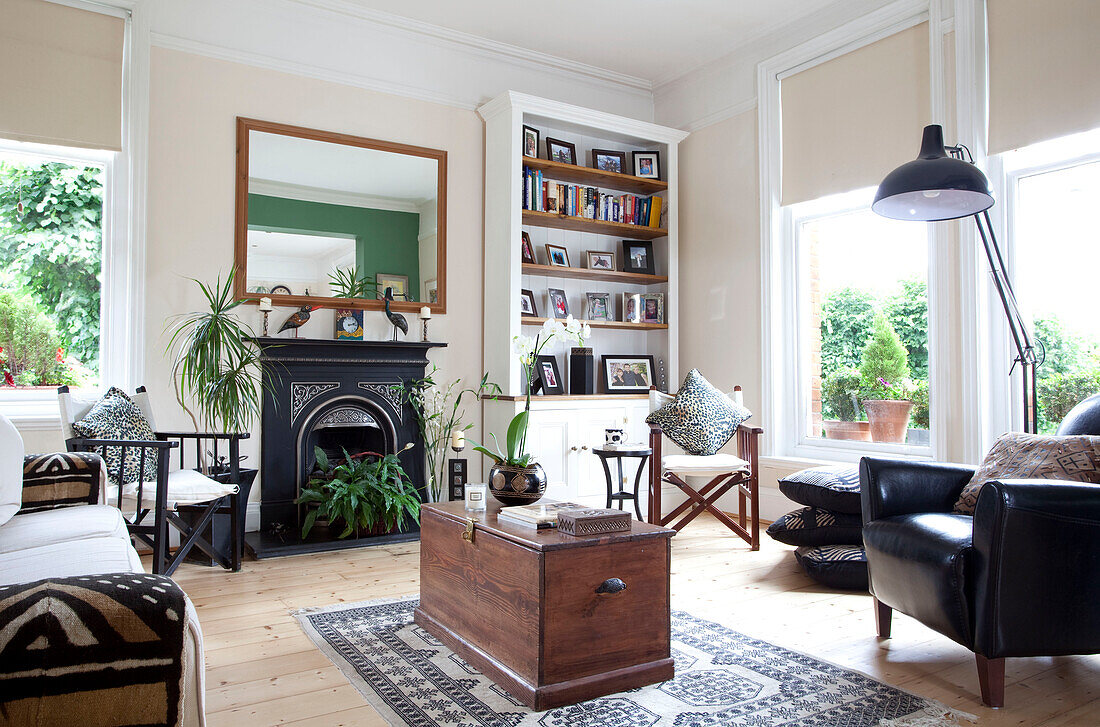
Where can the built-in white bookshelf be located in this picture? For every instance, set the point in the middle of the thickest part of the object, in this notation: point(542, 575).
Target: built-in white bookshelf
point(563, 428)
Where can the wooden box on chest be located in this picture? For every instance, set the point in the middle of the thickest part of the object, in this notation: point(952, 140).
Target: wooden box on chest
point(553, 619)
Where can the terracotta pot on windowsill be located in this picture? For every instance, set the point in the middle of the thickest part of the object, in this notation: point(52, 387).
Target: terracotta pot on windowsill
point(857, 431)
point(889, 419)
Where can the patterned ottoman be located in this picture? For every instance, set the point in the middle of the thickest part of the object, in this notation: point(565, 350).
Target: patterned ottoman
point(827, 531)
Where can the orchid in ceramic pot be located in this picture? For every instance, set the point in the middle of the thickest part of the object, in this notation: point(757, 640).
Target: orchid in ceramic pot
point(515, 477)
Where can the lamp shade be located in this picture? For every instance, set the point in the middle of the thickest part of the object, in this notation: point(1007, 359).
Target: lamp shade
point(934, 186)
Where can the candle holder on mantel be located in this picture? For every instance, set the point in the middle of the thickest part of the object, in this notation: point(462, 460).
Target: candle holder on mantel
point(266, 308)
point(425, 316)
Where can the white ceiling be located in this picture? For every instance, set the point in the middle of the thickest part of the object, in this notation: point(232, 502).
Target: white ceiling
point(319, 165)
point(655, 40)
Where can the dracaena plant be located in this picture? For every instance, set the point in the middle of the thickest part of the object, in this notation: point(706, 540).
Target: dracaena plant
point(363, 491)
point(347, 283)
point(528, 349)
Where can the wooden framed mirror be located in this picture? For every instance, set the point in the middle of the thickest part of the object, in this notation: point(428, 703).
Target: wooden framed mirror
point(316, 206)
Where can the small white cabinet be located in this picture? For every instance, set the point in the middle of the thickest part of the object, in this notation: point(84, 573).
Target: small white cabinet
point(564, 431)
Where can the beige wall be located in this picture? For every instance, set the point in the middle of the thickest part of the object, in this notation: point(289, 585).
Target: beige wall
point(194, 102)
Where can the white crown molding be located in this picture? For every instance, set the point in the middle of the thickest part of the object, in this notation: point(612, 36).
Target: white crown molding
point(116, 8)
point(567, 113)
point(272, 63)
point(726, 112)
point(495, 49)
point(305, 193)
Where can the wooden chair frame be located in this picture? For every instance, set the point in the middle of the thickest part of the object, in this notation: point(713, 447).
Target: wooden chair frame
point(705, 498)
point(156, 535)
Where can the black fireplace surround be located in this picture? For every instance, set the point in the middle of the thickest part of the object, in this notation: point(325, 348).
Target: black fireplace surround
point(338, 395)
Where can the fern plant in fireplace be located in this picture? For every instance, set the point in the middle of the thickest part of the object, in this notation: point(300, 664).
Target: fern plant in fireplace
point(367, 492)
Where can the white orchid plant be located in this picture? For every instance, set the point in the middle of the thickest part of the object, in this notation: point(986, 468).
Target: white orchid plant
point(528, 349)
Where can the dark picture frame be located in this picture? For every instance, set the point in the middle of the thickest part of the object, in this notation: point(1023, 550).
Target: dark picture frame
point(647, 164)
point(559, 303)
point(557, 256)
point(527, 302)
point(556, 148)
point(527, 250)
point(620, 374)
point(602, 160)
point(530, 141)
point(549, 376)
point(638, 256)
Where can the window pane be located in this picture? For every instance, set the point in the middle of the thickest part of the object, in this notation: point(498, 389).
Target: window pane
point(51, 240)
point(864, 334)
point(1057, 254)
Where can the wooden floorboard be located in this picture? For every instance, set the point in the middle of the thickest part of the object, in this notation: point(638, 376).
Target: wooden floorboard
point(263, 670)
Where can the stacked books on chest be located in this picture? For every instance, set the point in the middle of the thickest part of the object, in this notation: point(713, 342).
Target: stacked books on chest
point(541, 516)
point(572, 200)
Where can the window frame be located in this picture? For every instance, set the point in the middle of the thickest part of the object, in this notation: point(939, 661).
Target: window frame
point(792, 440)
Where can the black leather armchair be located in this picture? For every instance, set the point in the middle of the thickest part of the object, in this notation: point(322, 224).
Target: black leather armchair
point(1019, 578)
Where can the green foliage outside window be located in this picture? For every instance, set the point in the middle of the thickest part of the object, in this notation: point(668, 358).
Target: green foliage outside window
point(51, 218)
point(884, 364)
point(846, 318)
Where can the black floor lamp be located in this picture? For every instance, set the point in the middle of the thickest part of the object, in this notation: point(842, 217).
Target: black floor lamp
point(941, 185)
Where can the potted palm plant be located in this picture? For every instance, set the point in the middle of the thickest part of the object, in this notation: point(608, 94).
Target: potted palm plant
point(366, 494)
point(516, 477)
point(887, 389)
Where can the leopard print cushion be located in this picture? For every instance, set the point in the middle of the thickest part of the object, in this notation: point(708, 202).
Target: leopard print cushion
point(116, 416)
point(1016, 456)
point(701, 419)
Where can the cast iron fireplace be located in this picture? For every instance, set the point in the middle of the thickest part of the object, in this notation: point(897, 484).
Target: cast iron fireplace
point(339, 396)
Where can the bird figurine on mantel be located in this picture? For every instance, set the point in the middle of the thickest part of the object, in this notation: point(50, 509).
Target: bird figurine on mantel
point(396, 319)
point(297, 319)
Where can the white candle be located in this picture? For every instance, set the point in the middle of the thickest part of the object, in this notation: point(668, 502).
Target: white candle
point(265, 305)
point(476, 495)
point(458, 439)
point(425, 313)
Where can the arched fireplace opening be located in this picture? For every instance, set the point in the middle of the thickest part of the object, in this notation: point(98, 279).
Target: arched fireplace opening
point(349, 424)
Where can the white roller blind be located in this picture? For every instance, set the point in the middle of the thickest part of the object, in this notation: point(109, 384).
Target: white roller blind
point(1044, 70)
point(849, 121)
point(60, 75)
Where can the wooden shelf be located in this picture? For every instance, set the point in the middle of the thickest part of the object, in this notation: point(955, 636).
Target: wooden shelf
point(569, 397)
point(606, 276)
point(536, 321)
point(564, 222)
point(596, 177)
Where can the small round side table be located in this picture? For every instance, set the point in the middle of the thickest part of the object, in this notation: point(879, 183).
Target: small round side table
point(643, 454)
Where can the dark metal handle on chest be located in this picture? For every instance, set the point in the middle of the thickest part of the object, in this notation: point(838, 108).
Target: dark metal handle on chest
point(610, 587)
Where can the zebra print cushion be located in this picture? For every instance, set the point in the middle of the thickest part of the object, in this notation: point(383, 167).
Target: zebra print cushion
point(835, 488)
point(814, 526)
point(61, 479)
point(836, 566)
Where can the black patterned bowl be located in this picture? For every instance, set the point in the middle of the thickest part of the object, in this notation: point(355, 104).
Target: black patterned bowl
point(517, 485)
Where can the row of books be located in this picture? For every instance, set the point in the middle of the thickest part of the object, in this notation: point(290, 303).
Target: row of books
point(542, 195)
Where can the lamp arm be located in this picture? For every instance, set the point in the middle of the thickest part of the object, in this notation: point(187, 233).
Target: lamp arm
point(1017, 325)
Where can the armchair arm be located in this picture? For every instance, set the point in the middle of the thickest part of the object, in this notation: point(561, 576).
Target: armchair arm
point(61, 479)
point(897, 487)
point(1037, 570)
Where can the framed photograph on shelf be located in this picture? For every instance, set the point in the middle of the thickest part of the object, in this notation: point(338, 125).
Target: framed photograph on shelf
point(600, 260)
point(561, 151)
point(559, 304)
point(599, 307)
point(527, 304)
point(557, 256)
point(549, 376)
point(632, 308)
point(638, 256)
point(653, 308)
point(530, 141)
point(431, 290)
point(609, 161)
point(647, 164)
point(626, 374)
point(399, 283)
point(527, 249)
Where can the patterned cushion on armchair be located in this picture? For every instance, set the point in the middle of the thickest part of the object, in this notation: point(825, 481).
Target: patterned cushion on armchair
point(701, 419)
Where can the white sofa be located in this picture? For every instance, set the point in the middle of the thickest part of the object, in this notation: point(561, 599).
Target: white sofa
point(79, 540)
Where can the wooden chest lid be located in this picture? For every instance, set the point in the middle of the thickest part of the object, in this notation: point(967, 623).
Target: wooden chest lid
point(547, 539)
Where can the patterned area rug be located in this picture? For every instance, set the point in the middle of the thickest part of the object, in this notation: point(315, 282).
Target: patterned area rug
point(722, 678)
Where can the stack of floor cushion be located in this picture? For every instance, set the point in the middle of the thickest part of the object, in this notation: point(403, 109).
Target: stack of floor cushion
point(828, 530)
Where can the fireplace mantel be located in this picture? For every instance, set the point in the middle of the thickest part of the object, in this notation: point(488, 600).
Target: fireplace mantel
point(314, 381)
